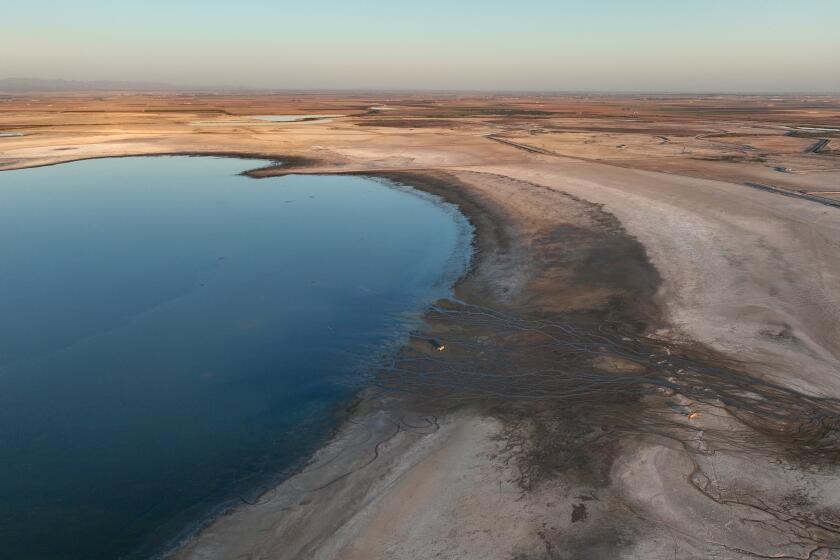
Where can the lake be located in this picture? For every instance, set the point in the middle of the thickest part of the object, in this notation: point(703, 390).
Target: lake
point(174, 335)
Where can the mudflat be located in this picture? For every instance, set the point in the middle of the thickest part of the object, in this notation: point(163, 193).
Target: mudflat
point(643, 362)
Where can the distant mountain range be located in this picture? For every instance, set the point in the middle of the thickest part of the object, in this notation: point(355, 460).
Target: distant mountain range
point(37, 84)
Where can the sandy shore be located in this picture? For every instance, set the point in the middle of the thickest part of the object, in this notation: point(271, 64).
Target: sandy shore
point(643, 363)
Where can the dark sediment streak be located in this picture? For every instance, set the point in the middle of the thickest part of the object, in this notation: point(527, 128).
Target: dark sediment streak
point(582, 377)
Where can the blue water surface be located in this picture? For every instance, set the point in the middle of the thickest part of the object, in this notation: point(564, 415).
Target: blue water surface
point(174, 335)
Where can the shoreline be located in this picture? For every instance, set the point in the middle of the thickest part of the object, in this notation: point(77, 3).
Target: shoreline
point(366, 407)
point(357, 409)
point(292, 162)
point(406, 450)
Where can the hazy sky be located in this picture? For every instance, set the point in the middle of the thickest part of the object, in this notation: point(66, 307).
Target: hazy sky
point(656, 45)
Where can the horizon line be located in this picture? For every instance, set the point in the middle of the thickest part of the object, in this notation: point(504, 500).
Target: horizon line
point(130, 86)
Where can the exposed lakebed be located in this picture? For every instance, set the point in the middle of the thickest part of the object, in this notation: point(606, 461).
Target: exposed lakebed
point(175, 336)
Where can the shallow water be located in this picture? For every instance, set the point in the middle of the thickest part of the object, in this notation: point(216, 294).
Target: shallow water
point(173, 335)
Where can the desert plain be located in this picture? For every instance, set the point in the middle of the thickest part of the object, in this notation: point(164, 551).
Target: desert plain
point(643, 361)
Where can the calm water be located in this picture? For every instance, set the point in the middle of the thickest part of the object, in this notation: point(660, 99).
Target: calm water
point(172, 335)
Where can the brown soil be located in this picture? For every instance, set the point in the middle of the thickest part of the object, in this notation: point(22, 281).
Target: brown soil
point(642, 362)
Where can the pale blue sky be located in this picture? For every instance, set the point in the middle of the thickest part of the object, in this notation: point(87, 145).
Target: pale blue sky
point(646, 45)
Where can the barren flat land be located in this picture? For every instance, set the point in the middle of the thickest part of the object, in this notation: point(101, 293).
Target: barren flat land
point(643, 361)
